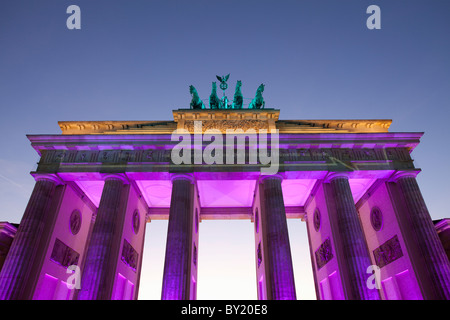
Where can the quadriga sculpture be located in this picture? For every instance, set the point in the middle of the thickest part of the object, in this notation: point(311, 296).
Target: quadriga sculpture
point(214, 101)
point(258, 102)
point(238, 98)
point(196, 102)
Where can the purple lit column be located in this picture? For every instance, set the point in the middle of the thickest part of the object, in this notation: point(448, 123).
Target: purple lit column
point(431, 250)
point(19, 262)
point(354, 256)
point(279, 271)
point(102, 252)
point(176, 278)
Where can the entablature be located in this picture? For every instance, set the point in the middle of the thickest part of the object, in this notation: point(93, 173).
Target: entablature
point(407, 140)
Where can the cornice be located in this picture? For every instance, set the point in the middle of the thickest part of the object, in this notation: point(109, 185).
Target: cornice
point(116, 127)
point(225, 119)
point(337, 125)
point(442, 225)
point(8, 229)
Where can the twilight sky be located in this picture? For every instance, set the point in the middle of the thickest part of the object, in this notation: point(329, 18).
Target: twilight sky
point(134, 60)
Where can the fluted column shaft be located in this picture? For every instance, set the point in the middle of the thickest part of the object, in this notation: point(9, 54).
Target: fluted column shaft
point(430, 246)
point(176, 278)
point(356, 258)
point(15, 271)
point(97, 278)
point(278, 251)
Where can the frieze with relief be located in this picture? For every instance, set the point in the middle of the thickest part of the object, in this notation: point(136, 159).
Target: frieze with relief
point(324, 254)
point(64, 255)
point(129, 256)
point(224, 125)
point(164, 156)
point(105, 156)
point(345, 154)
point(388, 252)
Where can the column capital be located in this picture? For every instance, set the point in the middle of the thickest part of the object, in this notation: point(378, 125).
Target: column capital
point(335, 175)
point(277, 176)
point(48, 176)
point(182, 176)
point(403, 174)
point(115, 176)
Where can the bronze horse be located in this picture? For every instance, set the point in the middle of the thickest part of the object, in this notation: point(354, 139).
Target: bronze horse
point(258, 102)
point(196, 102)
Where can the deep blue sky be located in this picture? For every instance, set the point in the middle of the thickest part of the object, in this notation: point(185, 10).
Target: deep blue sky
point(134, 60)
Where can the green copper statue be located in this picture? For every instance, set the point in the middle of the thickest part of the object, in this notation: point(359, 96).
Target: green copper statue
point(222, 103)
point(214, 101)
point(258, 101)
point(196, 103)
point(223, 82)
point(238, 98)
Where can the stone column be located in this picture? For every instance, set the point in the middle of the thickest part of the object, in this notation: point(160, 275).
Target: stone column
point(176, 278)
point(354, 256)
point(19, 262)
point(426, 237)
point(278, 264)
point(102, 253)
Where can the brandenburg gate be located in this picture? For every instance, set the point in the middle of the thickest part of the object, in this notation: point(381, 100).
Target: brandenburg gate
point(352, 182)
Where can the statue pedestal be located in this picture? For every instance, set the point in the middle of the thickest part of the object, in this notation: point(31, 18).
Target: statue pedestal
point(226, 119)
